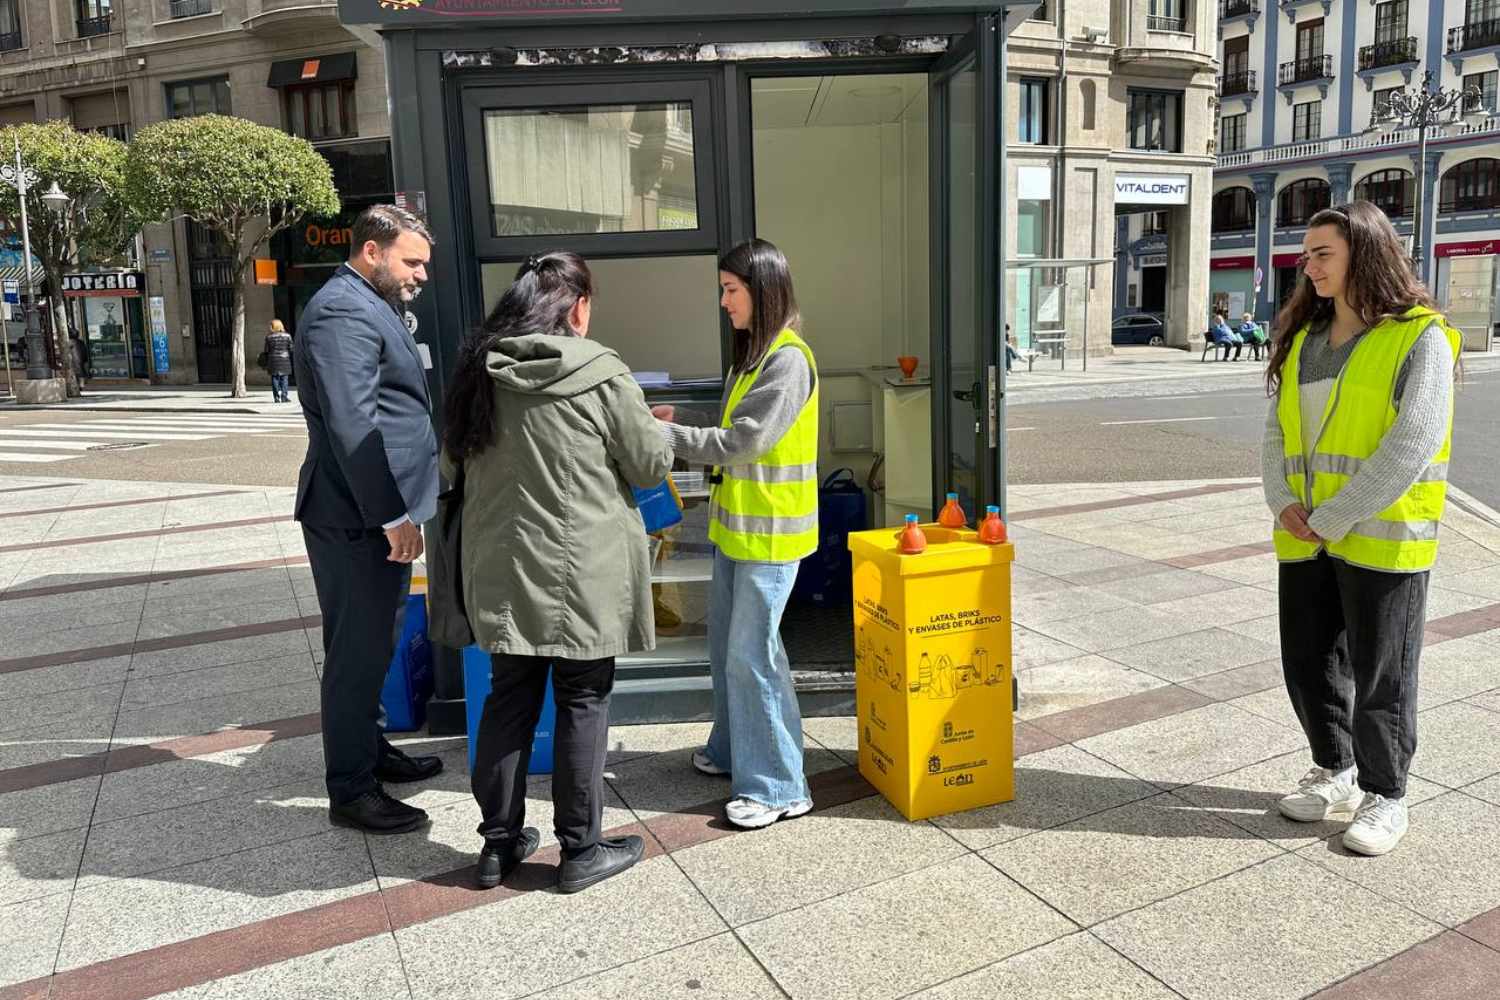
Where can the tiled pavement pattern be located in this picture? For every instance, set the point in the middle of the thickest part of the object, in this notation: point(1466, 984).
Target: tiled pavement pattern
point(163, 827)
point(46, 442)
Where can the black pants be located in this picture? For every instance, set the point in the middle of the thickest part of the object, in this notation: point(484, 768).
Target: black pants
point(1350, 642)
point(518, 686)
point(362, 595)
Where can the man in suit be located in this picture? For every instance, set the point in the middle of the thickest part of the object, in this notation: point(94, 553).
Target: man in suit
point(368, 483)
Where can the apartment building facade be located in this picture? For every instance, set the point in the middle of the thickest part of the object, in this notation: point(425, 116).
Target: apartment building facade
point(1298, 81)
point(1110, 157)
point(115, 67)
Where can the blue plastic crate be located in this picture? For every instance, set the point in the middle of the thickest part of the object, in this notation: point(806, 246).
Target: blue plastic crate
point(408, 682)
point(477, 689)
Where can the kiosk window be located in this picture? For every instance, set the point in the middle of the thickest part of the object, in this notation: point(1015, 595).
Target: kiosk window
point(597, 169)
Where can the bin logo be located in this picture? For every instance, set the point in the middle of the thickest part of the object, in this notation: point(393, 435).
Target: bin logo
point(947, 730)
point(934, 764)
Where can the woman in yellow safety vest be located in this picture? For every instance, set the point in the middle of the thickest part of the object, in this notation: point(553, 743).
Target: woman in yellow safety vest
point(763, 519)
point(1355, 469)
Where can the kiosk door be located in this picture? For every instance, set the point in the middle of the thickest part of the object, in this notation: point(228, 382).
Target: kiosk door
point(967, 334)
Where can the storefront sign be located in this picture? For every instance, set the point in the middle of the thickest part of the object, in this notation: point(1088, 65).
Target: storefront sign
point(1154, 260)
point(159, 256)
point(1152, 189)
point(12, 291)
point(1286, 260)
point(1472, 248)
point(104, 284)
point(1231, 263)
point(159, 358)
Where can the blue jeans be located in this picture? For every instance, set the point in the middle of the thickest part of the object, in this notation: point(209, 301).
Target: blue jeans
point(757, 732)
point(279, 391)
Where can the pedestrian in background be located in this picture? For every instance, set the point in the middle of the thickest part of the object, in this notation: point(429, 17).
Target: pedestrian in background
point(1251, 333)
point(1355, 470)
point(278, 353)
point(550, 429)
point(368, 483)
point(763, 519)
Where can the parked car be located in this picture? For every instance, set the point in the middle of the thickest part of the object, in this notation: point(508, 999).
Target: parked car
point(1138, 328)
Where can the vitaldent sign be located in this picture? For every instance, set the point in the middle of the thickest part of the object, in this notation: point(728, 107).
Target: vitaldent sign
point(1152, 189)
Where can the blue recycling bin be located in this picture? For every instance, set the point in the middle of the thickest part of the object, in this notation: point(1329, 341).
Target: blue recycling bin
point(477, 689)
point(408, 681)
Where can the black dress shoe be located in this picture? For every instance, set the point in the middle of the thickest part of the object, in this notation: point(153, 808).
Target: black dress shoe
point(611, 858)
point(501, 857)
point(398, 768)
point(377, 812)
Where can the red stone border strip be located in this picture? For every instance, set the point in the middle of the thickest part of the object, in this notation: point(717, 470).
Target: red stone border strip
point(153, 645)
point(1196, 559)
point(1136, 501)
point(1119, 713)
point(152, 533)
point(1465, 623)
point(1450, 966)
point(121, 503)
point(43, 486)
point(54, 772)
point(159, 577)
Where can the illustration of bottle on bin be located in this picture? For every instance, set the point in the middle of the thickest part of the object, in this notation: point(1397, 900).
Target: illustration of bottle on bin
point(924, 675)
point(952, 515)
point(992, 529)
point(913, 541)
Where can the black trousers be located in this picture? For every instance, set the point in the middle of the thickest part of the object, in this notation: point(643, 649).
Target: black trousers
point(1350, 642)
point(362, 595)
point(518, 687)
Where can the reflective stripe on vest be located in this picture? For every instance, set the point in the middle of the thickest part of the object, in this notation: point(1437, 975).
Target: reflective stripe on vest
point(1359, 412)
point(767, 510)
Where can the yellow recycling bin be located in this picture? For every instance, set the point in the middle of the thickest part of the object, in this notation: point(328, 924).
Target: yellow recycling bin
point(932, 649)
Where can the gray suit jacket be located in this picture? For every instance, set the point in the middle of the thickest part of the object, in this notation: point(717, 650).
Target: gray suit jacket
point(371, 450)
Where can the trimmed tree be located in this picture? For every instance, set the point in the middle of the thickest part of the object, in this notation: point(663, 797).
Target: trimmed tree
point(97, 225)
point(241, 181)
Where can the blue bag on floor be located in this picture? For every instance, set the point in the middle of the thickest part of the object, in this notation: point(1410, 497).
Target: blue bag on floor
point(824, 578)
point(408, 682)
point(477, 689)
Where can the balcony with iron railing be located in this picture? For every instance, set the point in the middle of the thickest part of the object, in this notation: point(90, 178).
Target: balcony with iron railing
point(92, 27)
point(1155, 22)
point(1395, 52)
point(1238, 84)
point(10, 41)
point(1344, 146)
point(1237, 8)
point(1305, 70)
point(1474, 35)
point(189, 8)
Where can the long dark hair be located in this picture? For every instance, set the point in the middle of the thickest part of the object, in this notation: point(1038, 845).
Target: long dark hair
point(1380, 284)
point(764, 270)
point(546, 289)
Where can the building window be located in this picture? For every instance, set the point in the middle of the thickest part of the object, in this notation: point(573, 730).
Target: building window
point(189, 8)
point(94, 17)
point(10, 25)
point(320, 110)
point(120, 132)
point(1166, 15)
point(1390, 21)
point(1392, 191)
point(1232, 133)
point(1486, 84)
point(1310, 40)
point(1307, 121)
point(1472, 186)
point(1033, 117)
point(1383, 96)
point(1154, 119)
point(1301, 200)
point(1234, 210)
point(1481, 11)
point(198, 97)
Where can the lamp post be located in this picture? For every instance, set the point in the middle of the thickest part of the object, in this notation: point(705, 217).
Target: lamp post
point(22, 178)
point(1426, 107)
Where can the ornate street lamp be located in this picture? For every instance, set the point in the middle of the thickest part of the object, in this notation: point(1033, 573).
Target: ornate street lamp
point(1426, 107)
point(23, 178)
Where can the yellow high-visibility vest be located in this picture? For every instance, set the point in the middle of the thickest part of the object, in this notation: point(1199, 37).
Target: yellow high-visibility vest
point(767, 510)
point(1360, 409)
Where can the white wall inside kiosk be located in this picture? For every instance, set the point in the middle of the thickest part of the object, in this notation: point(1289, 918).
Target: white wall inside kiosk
point(841, 186)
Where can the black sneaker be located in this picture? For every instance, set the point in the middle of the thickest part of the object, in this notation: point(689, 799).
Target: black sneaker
point(611, 858)
point(396, 767)
point(501, 857)
point(377, 812)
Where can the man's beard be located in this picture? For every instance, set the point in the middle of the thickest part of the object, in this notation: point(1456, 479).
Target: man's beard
point(388, 285)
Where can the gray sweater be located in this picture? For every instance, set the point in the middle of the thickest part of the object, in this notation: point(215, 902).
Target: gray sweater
point(760, 420)
point(1423, 394)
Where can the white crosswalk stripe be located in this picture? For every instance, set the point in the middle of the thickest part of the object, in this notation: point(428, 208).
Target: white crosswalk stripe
point(55, 441)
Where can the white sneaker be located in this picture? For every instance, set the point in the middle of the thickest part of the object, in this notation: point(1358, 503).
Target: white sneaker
point(1378, 826)
point(703, 763)
point(1318, 794)
point(751, 815)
